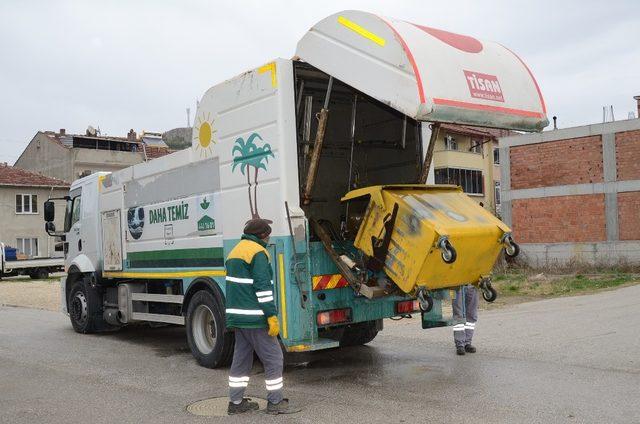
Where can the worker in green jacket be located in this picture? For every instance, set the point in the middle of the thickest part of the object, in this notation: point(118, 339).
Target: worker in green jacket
point(251, 313)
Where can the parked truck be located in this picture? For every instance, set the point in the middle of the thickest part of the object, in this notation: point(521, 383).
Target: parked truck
point(329, 145)
point(36, 268)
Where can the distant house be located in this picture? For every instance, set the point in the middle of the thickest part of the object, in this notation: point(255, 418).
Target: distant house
point(22, 194)
point(469, 157)
point(71, 156)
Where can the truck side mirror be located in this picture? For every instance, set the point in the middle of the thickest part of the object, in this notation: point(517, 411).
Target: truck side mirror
point(49, 211)
point(50, 228)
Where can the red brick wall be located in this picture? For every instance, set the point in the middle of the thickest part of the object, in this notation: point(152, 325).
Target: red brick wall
point(562, 219)
point(571, 161)
point(628, 155)
point(629, 215)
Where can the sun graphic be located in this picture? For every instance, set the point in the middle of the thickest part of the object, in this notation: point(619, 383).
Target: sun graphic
point(204, 134)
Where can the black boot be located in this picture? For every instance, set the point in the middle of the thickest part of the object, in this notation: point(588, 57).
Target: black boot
point(470, 349)
point(281, 407)
point(245, 406)
point(460, 350)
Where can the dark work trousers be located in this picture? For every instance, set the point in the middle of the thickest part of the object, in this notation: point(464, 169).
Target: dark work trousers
point(465, 314)
point(249, 340)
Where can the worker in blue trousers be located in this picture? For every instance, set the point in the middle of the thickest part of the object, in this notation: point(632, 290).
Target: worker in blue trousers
point(465, 316)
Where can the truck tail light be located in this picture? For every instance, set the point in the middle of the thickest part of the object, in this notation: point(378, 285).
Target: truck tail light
point(335, 316)
point(407, 306)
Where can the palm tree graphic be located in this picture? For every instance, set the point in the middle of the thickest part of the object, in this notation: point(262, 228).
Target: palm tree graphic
point(248, 154)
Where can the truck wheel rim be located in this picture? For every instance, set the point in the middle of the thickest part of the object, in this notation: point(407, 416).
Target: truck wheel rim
point(79, 307)
point(204, 329)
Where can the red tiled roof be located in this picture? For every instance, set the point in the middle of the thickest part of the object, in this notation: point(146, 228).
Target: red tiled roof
point(12, 176)
point(156, 152)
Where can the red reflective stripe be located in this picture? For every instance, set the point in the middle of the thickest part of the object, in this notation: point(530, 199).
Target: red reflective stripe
point(324, 281)
point(467, 105)
point(342, 283)
point(544, 107)
point(411, 60)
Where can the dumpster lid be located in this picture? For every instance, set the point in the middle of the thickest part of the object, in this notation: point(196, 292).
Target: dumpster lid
point(426, 73)
point(375, 191)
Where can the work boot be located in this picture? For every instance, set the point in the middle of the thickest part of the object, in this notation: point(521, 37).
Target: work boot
point(460, 350)
point(281, 407)
point(470, 349)
point(245, 406)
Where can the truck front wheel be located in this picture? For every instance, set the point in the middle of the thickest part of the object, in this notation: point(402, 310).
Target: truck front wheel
point(85, 308)
point(210, 343)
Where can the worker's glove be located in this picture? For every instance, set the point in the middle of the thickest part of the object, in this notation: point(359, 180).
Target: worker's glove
point(274, 326)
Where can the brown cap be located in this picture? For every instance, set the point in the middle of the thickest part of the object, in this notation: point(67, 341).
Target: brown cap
point(258, 227)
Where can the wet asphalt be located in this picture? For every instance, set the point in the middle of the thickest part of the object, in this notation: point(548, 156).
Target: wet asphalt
point(566, 360)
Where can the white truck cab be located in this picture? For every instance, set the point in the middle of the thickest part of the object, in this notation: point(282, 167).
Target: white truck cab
point(83, 235)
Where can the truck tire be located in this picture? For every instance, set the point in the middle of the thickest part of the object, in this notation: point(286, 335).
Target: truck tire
point(208, 339)
point(85, 308)
point(359, 334)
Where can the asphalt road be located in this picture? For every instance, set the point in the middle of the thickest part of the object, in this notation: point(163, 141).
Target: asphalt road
point(567, 360)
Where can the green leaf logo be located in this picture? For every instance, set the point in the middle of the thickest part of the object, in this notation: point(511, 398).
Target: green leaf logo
point(205, 204)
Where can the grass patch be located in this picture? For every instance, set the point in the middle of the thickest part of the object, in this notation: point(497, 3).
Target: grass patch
point(519, 283)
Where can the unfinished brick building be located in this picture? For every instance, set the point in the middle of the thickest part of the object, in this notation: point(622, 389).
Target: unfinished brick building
point(574, 194)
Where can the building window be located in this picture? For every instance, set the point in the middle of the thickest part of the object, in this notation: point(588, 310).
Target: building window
point(496, 191)
point(27, 246)
point(470, 180)
point(450, 143)
point(476, 146)
point(26, 203)
point(496, 156)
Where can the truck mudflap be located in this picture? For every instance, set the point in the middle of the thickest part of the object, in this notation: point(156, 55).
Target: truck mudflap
point(441, 238)
point(63, 295)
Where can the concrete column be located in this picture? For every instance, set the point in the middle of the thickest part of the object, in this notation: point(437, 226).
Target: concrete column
point(505, 185)
point(610, 171)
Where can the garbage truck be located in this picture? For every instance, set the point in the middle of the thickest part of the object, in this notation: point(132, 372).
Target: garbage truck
point(334, 146)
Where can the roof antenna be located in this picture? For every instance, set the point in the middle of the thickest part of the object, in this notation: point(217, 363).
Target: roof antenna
point(555, 122)
point(607, 112)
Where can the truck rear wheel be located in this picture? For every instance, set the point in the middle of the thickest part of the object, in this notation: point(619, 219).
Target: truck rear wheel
point(359, 334)
point(210, 343)
point(85, 308)
point(39, 274)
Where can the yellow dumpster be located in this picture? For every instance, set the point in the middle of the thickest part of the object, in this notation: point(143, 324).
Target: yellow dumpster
point(436, 237)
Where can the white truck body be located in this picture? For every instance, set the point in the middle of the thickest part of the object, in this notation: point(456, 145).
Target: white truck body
point(36, 267)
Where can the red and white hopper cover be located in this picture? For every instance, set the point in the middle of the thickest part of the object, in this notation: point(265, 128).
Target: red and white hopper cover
point(426, 73)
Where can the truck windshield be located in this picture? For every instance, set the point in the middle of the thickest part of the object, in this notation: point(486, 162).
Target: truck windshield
point(72, 211)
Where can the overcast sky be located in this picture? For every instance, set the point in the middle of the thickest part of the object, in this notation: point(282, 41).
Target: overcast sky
point(118, 65)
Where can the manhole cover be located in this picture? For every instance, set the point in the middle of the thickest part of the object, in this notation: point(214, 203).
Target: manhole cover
point(216, 407)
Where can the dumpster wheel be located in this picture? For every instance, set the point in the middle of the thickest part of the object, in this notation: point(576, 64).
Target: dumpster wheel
point(488, 292)
point(511, 248)
point(449, 254)
point(424, 300)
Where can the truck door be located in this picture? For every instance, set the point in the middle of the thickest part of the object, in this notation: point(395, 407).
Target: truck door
point(73, 243)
